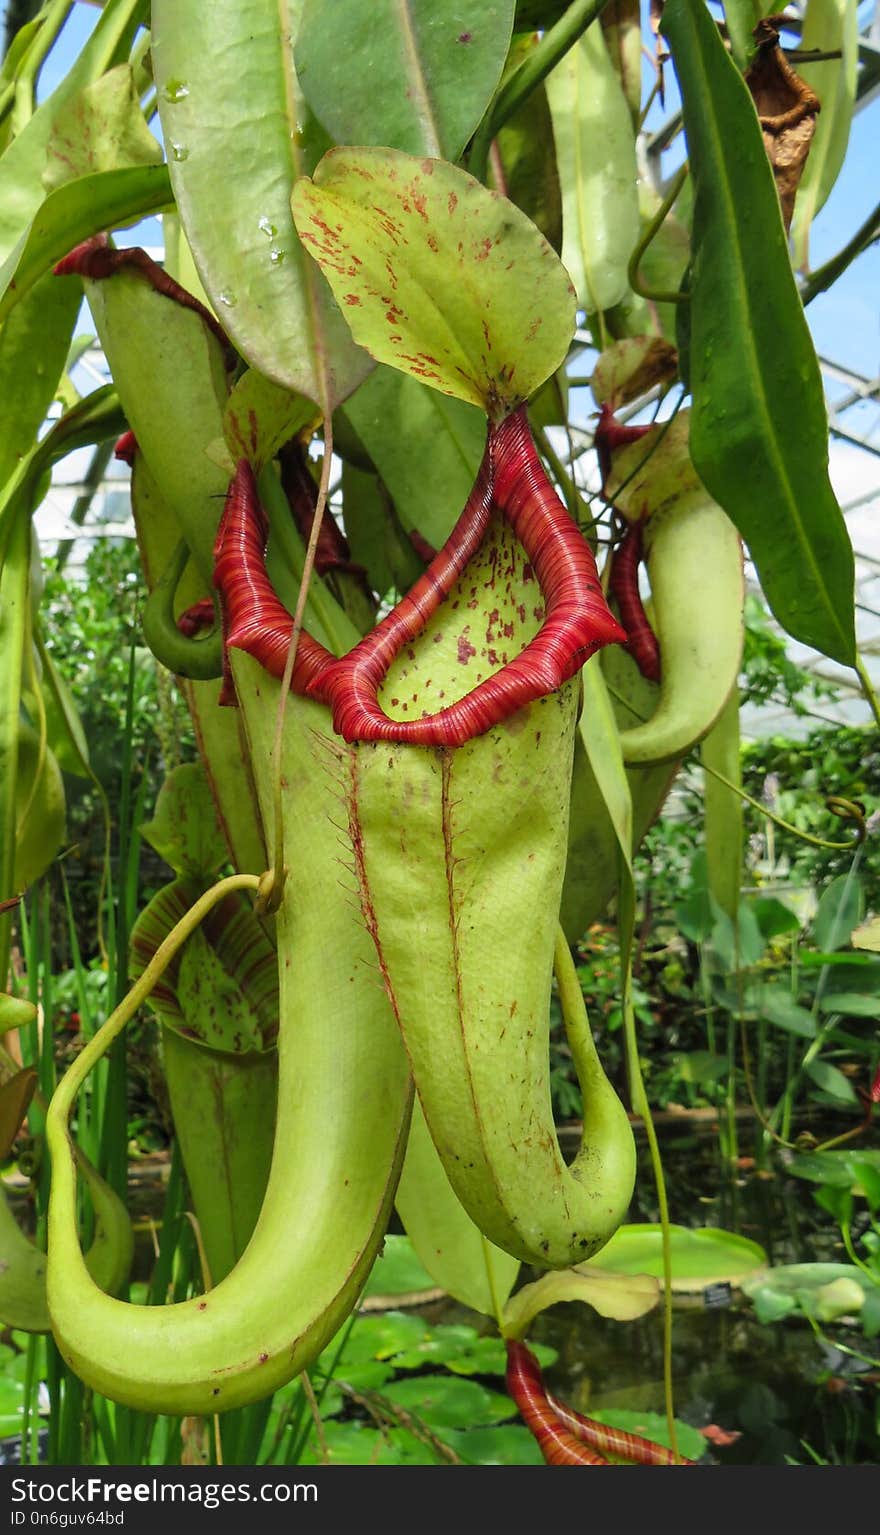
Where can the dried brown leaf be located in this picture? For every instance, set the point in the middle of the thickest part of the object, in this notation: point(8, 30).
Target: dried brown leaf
point(787, 110)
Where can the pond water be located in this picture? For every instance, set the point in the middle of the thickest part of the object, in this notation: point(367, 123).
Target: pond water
point(785, 1392)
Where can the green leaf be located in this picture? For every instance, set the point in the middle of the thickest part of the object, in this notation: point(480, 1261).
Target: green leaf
point(39, 328)
point(759, 436)
point(774, 918)
point(184, 829)
point(838, 1169)
point(854, 1004)
point(867, 1178)
point(776, 1004)
point(15, 1096)
point(81, 208)
point(417, 76)
point(100, 129)
point(831, 1081)
point(617, 1295)
point(596, 155)
point(21, 190)
point(870, 1313)
point(653, 1426)
point(239, 134)
point(723, 823)
point(442, 1401)
point(823, 1290)
point(840, 909)
point(438, 276)
point(700, 1257)
point(830, 26)
point(375, 535)
point(402, 424)
point(508, 1445)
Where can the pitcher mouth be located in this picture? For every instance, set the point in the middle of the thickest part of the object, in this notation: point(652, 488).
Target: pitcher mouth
point(511, 482)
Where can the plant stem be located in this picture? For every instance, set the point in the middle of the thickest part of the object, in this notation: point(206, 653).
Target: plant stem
point(648, 234)
point(865, 681)
point(536, 67)
point(837, 847)
point(827, 274)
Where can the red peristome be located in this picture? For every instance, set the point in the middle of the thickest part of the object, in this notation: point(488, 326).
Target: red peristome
point(558, 1446)
point(97, 259)
point(200, 615)
point(641, 641)
point(254, 620)
point(610, 435)
point(512, 480)
point(875, 1087)
point(86, 259)
point(125, 448)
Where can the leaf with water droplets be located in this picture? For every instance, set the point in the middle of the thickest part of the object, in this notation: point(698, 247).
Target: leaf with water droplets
point(230, 101)
point(437, 275)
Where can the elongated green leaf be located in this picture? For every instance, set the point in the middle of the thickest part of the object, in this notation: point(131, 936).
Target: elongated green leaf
point(439, 276)
point(840, 909)
point(100, 129)
point(402, 424)
point(414, 74)
point(829, 25)
point(21, 189)
point(239, 133)
point(596, 155)
point(375, 534)
point(33, 349)
point(74, 212)
point(759, 437)
point(831, 1081)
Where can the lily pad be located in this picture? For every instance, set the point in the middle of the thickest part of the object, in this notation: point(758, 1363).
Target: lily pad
point(700, 1257)
point(825, 1291)
point(442, 1401)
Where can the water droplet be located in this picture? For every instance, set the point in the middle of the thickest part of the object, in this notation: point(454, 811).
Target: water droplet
point(179, 151)
point(176, 90)
point(277, 255)
point(228, 298)
point(267, 227)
